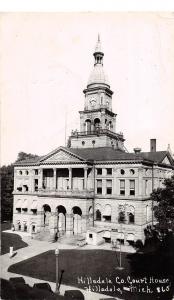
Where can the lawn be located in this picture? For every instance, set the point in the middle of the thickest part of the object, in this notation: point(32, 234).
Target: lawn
point(10, 239)
point(94, 269)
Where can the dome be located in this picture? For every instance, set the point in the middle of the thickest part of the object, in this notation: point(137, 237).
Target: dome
point(98, 76)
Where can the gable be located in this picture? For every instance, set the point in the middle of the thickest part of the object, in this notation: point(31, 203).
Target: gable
point(60, 156)
point(166, 161)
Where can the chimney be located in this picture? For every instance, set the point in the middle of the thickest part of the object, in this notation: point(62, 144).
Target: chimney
point(152, 145)
point(137, 150)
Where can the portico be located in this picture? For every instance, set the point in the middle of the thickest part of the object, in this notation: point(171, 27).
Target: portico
point(69, 179)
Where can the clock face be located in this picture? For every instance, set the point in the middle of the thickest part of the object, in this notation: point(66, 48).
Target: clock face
point(93, 101)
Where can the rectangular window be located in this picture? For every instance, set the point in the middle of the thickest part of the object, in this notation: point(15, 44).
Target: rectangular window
point(99, 171)
point(109, 187)
point(109, 171)
point(36, 172)
point(132, 187)
point(36, 185)
point(122, 187)
point(67, 184)
point(99, 186)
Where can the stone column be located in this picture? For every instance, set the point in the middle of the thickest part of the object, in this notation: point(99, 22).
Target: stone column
point(92, 125)
point(114, 124)
point(104, 186)
point(85, 177)
point(103, 119)
point(54, 179)
point(69, 224)
point(84, 222)
point(40, 181)
point(40, 220)
point(140, 182)
point(52, 226)
point(31, 187)
point(70, 178)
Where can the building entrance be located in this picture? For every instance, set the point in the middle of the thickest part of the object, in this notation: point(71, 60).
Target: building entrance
point(61, 220)
point(77, 220)
point(46, 215)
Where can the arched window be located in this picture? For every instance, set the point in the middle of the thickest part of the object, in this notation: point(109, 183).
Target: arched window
point(131, 218)
point(110, 127)
point(131, 214)
point(96, 124)
point(98, 212)
point(121, 217)
point(25, 226)
point(88, 125)
point(98, 215)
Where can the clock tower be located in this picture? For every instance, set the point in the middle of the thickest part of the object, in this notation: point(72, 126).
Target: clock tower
point(97, 121)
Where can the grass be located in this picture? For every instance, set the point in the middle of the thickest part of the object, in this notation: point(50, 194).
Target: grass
point(77, 266)
point(10, 240)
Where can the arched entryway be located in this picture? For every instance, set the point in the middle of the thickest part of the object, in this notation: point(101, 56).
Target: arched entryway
point(88, 125)
point(46, 215)
point(61, 219)
point(96, 124)
point(90, 219)
point(77, 220)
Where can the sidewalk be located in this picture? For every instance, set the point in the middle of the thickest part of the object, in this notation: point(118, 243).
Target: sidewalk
point(37, 247)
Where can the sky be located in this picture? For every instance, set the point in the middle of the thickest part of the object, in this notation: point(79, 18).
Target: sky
point(46, 60)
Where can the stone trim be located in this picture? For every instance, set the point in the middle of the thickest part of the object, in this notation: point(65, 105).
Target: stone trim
point(116, 162)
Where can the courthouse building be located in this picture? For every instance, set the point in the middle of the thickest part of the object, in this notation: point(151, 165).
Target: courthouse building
point(94, 184)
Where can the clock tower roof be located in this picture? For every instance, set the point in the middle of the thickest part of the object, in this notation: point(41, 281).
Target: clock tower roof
point(98, 75)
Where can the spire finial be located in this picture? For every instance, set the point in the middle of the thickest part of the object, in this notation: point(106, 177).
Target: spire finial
point(98, 37)
point(98, 45)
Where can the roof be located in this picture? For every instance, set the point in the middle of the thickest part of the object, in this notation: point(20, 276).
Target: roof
point(98, 76)
point(110, 154)
point(103, 154)
point(157, 156)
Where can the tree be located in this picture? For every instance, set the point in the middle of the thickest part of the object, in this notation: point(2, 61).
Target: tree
point(6, 192)
point(25, 156)
point(7, 179)
point(164, 210)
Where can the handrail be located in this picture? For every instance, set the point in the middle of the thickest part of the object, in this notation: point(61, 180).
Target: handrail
point(97, 131)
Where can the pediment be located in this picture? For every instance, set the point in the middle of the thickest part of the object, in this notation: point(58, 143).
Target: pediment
point(166, 161)
point(59, 156)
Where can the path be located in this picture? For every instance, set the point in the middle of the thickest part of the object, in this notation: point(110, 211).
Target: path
point(37, 247)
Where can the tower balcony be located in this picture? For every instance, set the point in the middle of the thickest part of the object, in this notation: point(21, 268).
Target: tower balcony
point(98, 132)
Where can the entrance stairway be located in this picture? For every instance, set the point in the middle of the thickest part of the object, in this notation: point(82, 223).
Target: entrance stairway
point(44, 235)
point(69, 240)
